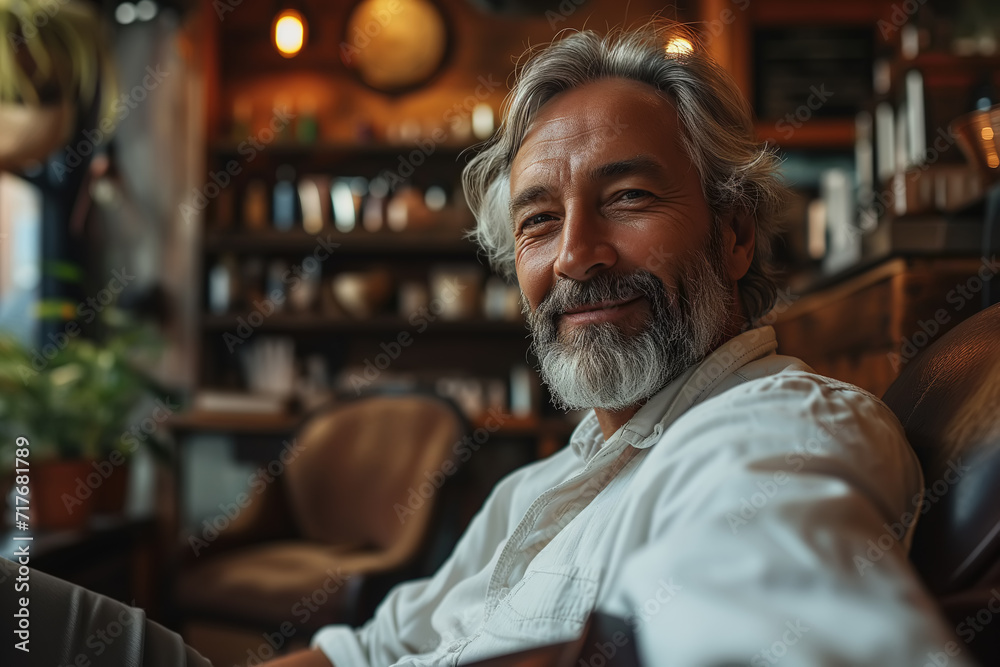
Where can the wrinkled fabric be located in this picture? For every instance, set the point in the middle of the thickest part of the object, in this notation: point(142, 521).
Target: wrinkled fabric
point(751, 512)
point(70, 625)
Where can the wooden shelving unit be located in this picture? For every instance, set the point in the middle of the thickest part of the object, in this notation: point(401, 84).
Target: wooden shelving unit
point(314, 322)
point(357, 242)
point(473, 346)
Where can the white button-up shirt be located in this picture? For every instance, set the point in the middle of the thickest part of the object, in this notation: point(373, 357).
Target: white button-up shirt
point(751, 512)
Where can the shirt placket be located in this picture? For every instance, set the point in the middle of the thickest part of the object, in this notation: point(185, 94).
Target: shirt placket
point(602, 467)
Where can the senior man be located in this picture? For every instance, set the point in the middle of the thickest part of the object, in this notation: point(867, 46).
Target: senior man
point(720, 498)
point(728, 503)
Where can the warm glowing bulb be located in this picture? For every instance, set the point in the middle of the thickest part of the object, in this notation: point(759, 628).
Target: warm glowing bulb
point(289, 33)
point(987, 133)
point(678, 46)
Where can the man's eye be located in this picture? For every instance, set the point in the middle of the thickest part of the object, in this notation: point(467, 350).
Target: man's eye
point(628, 195)
point(535, 220)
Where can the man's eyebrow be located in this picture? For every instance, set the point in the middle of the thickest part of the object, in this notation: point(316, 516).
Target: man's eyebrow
point(635, 165)
point(527, 196)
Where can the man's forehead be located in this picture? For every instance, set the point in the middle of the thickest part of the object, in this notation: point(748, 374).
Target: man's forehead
point(602, 122)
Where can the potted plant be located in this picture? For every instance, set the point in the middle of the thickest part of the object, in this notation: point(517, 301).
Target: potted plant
point(54, 62)
point(74, 404)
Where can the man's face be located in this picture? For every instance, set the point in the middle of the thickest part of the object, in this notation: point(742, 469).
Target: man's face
point(621, 265)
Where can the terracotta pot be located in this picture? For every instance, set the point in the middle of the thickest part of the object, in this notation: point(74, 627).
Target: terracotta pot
point(110, 496)
point(55, 502)
point(30, 133)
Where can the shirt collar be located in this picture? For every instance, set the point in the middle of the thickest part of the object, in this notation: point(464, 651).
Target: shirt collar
point(669, 403)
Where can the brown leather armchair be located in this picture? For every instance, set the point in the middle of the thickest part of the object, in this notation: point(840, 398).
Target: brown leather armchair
point(347, 518)
point(948, 400)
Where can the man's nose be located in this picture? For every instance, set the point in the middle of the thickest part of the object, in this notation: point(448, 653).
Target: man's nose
point(585, 247)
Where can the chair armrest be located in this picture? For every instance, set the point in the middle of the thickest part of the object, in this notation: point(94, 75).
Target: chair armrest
point(609, 637)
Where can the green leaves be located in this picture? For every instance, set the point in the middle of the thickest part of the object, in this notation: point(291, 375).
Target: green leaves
point(75, 401)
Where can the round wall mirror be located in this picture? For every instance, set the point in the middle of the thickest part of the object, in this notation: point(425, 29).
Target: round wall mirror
point(395, 45)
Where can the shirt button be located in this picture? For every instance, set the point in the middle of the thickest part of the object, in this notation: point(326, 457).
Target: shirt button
point(504, 591)
point(454, 647)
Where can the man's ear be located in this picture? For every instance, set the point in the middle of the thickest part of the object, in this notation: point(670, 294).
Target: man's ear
point(739, 235)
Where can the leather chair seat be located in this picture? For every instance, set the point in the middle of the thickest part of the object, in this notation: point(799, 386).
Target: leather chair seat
point(266, 584)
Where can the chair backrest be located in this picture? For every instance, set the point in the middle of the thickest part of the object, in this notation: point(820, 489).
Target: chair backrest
point(368, 471)
point(948, 400)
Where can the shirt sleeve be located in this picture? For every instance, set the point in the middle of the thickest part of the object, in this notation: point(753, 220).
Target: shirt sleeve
point(779, 516)
point(401, 624)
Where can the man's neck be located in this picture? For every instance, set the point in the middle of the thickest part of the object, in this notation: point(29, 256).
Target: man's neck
point(611, 421)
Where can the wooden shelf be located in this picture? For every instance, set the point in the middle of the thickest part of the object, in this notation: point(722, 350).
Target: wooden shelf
point(201, 421)
point(821, 133)
point(312, 322)
point(443, 150)
point(942, 69)
point(357, 242)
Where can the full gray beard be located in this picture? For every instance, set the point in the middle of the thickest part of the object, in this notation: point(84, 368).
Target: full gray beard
point(601, 366)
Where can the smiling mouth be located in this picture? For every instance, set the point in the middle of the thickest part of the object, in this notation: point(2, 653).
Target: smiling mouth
point(604, 305)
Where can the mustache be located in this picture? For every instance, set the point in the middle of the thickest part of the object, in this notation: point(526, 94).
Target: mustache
point(567, 293)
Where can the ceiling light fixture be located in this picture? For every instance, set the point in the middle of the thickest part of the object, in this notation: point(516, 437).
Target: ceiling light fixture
point(289, 32)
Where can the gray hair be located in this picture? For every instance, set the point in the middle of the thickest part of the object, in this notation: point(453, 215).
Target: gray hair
point(738, 174)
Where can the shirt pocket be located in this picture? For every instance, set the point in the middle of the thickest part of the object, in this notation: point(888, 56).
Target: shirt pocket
point(548, 605)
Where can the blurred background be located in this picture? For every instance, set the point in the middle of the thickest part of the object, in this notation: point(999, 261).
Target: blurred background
point(224, 225)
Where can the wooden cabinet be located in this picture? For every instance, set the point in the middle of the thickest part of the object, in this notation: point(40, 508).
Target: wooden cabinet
point(865, 328)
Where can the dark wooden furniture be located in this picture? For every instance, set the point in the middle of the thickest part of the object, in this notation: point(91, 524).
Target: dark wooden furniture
point(866, 327)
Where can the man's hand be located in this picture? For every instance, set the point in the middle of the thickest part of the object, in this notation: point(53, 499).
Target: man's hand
point(313, 658)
